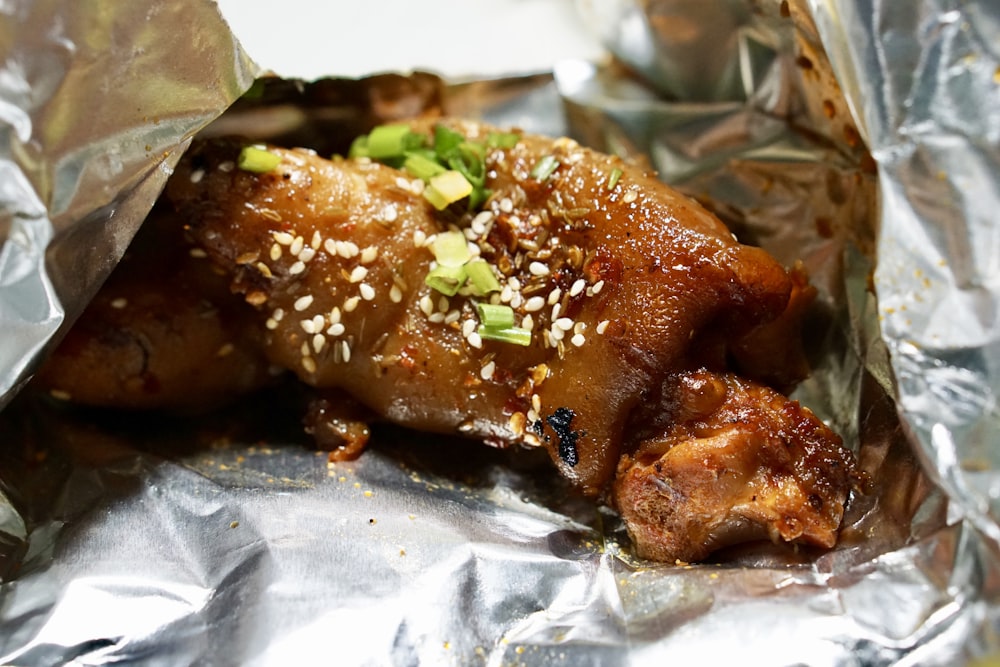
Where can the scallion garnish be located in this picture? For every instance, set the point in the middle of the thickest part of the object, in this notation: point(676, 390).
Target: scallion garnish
point(496, 316)
point(447, 188)
point(616, 174)
point(502, 139)
point(258, 160)
point(481, 277)
point(446, 279)
point(515, 335)
point(450, 249)
point(545, 167)
point(388, 141)
point(422, 166)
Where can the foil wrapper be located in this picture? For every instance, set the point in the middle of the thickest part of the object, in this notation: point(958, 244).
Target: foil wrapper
point(858, 138)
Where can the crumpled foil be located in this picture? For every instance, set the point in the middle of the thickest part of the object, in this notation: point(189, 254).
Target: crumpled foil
point(228, 540)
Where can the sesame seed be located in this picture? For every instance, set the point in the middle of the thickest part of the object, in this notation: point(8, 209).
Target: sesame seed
point(369, 254)
point(225, 350)
point(319, 340)
point(486, 372)
point(506, 294)
point(517, 423)
point(443, 304)
point(60, 394)
point(598, 286)
point(284, 238)
point(358, 274)
point(402, 183)
point(452, 316)
point(275, 252)
point(578, 287)
point(197, 175)
point(334, 316)
point(557, 333)
point(517, 300)
point(528, 322)
point(554, 296)
point(603, 326)
point(316, 241)
point(475, 340)
point(304, 350)
point(556, 309)
point(271, 323)
point(346, 249)
point(395, 294)
point(345, 351)
point(478, 224)
point(426, 305)
point(436, 317)
point(278, 314)
point(303, 302)
point(506, 205)
point(297, 244)
point(198, 253)
point(330, 246)
point(308, 326)
point(336, 329)
point(227, 166)
point(297, 268)
point(532, 415)
point(119, 303)
point(468, 327)
point(367, 291)
point(419, 238)
point(564, 323)
point(536, 402)
point(538, 269)
point(532, 440)
point(309, 364)
point(514, 283)
point(417, 186)
point(389, 213)
point(306, 254)
point(534, 304)
point(630, 196)
point(351, 303)
point(578, 340)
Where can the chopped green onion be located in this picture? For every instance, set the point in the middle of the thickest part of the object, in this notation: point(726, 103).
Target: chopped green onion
point(502, 139)
point(481, 277)
point(616, 173)
point(446, 279)
point(447, 188)
point(514, 335)
point(422, 166)
point(359, 147)
point(445, 141)
point(451, 249)
point(388, 141)
point(258, 160)
point(495, 316)
point(545, 167)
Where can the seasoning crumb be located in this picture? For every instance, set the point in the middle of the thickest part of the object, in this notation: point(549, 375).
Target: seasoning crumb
point(234, 524)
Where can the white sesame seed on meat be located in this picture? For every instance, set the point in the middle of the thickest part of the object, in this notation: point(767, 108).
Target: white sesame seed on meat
point(578, 287)
point(538, 269)
point(534, 304)
point(486, 372)
point(308, 326)
point(395, 294)
point(358, 274)
point(316, 241)
point(296, 247)
point(297, 268)
point(198, 253)
point(318, 341)
point(351, 303)
point(578, 340)
point(303, 302)
point(367, 291)
point(475, 340)
point(336, 329)
point(602, 326)
point(307, 254)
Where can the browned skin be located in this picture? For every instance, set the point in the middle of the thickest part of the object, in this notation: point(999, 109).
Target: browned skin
point(667, 295)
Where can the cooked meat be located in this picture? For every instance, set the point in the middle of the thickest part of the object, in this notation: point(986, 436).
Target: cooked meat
point(635, 297)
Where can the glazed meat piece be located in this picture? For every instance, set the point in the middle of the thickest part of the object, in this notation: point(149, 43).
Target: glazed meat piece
point(620, 292)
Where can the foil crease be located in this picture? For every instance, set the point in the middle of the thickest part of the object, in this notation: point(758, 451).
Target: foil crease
point(228, 540)
point(96, 105)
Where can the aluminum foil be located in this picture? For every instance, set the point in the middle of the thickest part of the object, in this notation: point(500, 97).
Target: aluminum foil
point(228, 540)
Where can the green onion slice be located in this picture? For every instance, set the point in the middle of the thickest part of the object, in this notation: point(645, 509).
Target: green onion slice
point(514, 335)
point(545, 167)
point(495, 316)
point(257, 160)
point(502, 139)
point(422, 166)
point(388, 141)
point(447, 188)
point(616, 174)
point(446, 279)
point(481, 277)
point(451, 249)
